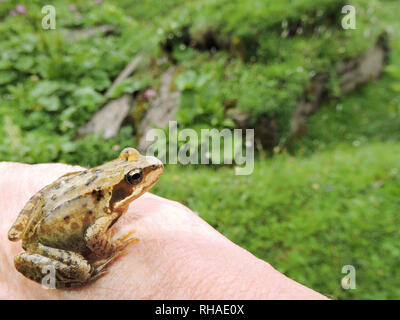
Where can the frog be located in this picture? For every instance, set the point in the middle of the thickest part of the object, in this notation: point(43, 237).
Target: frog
point(66, 227)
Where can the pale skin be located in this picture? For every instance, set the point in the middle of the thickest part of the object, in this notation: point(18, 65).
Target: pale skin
point(179, 255)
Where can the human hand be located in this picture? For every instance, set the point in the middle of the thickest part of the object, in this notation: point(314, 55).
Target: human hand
point(179, 255)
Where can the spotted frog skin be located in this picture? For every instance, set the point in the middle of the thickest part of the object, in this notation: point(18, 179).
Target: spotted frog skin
point(67, 224)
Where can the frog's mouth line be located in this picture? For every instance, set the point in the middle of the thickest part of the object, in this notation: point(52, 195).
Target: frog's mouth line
point(154, 176)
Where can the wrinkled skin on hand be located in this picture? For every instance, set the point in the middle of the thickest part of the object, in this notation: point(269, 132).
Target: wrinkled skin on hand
point(179, 255)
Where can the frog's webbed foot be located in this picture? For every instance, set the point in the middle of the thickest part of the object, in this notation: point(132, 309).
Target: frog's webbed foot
point(53, 267)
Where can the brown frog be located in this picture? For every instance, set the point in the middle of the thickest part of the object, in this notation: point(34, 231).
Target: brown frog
point(66, 226)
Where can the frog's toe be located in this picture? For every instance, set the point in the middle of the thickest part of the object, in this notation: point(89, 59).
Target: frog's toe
point(126, 235)
point(99, 267)
point(123, 241)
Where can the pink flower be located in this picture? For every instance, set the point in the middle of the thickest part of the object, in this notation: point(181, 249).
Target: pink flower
point(78, 16)
point(72, 8)
point(13, 13)
point(98, 1)
point(20, 9)
point(150, 93)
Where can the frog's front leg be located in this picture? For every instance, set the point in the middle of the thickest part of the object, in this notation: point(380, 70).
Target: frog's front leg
point(98, 238)
point(69, 268)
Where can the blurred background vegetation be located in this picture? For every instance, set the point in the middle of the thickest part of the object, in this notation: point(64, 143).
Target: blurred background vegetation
point(316, 201)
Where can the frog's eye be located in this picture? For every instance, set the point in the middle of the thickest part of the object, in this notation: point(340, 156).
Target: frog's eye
point(134, 176)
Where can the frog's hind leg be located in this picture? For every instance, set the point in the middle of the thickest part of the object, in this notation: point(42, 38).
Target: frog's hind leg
point(24, 218)
point(54, 267)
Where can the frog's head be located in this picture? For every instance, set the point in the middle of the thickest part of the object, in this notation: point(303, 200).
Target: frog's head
point(137, 175)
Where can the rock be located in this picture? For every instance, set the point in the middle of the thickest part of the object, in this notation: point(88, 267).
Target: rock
point(363, 69)
point(162, 109)
point(109, 119)
point(351, 73)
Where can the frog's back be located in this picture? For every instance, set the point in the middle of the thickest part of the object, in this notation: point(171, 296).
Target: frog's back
point(83, 183)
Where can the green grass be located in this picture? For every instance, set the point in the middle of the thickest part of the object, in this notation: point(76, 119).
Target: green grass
point(308, 216)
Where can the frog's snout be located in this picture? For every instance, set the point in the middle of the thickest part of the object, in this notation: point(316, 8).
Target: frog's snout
point(156, 164)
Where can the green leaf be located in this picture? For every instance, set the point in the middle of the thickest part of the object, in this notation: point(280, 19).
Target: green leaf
point(88, 97)
point(51, 103)
point(24, 63)
point(98, 80)
point(44, 88)
point(7, 76)
point(186, 80)
point(129, 85)
point(5, 64)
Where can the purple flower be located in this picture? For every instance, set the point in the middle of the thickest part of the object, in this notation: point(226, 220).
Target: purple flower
point(13, 13)
point(78, 16)
point(150, 93)
point(20, 9)
point(72, 8)
point(98, 1)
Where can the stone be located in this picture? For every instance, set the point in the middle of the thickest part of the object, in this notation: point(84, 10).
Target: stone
point(109, 119)
point(162, 109)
